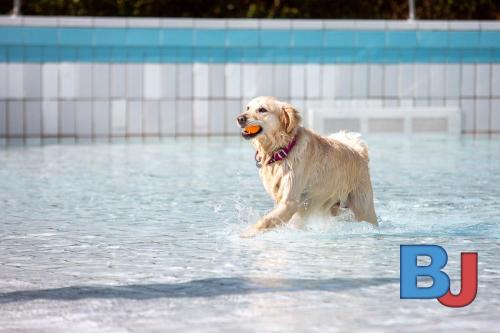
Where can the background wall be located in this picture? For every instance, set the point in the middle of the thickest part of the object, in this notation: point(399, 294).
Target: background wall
point(103, 77)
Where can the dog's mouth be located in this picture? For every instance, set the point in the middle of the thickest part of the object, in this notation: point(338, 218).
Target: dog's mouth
point(251, 131)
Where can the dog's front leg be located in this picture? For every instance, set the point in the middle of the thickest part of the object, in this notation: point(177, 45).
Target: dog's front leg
point(282, 213)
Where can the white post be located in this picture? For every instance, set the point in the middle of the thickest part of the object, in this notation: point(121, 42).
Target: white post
point(16, 9)
point(411, 9)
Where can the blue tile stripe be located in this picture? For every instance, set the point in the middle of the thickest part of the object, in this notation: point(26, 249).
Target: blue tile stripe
point(44, 44)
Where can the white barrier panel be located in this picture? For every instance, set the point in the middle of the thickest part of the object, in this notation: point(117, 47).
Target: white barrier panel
point(408, 120)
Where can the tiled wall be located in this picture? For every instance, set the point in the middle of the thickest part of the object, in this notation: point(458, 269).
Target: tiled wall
point(104, 77)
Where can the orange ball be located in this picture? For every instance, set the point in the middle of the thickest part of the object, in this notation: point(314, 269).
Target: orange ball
point(251, 129)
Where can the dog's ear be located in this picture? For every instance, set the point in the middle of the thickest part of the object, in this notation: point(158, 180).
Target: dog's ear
point(290, 117)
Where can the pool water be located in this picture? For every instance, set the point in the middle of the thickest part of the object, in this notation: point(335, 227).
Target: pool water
point(143, 236)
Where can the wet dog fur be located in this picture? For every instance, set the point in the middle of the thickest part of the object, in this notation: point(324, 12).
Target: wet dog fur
point(319, 175)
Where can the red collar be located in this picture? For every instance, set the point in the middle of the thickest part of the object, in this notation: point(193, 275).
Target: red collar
point(278, 155)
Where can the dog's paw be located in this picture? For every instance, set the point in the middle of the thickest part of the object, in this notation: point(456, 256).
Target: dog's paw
point(250, 232)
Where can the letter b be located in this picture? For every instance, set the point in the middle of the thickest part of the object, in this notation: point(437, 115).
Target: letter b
point(410, 271)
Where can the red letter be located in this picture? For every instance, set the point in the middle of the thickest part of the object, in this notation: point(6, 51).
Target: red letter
point(468, 288)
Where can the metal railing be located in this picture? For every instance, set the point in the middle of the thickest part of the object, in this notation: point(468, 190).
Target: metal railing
point(16, 8)
point(411, 10)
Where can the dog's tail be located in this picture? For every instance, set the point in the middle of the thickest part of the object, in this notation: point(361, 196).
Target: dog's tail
point(353, 140)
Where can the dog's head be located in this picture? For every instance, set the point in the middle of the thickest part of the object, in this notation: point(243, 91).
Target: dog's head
point(266, 116)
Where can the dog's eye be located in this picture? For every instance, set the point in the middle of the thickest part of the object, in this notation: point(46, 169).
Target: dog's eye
point(261, 110)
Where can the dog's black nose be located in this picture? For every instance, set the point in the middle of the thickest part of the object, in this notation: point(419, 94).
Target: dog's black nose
point(242, 119)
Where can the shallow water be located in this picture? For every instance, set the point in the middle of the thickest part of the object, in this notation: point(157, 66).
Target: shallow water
point(135, 237)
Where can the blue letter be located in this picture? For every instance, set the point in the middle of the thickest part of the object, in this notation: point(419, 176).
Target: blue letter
point(410, 271)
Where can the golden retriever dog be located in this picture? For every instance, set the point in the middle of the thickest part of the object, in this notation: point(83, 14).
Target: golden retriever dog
point(302, 171)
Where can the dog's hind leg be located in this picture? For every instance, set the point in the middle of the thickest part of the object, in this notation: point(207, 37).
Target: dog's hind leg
point(360, 201)
point(335, 209)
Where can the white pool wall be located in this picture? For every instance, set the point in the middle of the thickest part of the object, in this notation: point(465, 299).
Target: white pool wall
point(91, 98)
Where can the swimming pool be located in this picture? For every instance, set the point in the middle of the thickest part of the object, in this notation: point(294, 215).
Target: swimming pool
point(143, 236)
